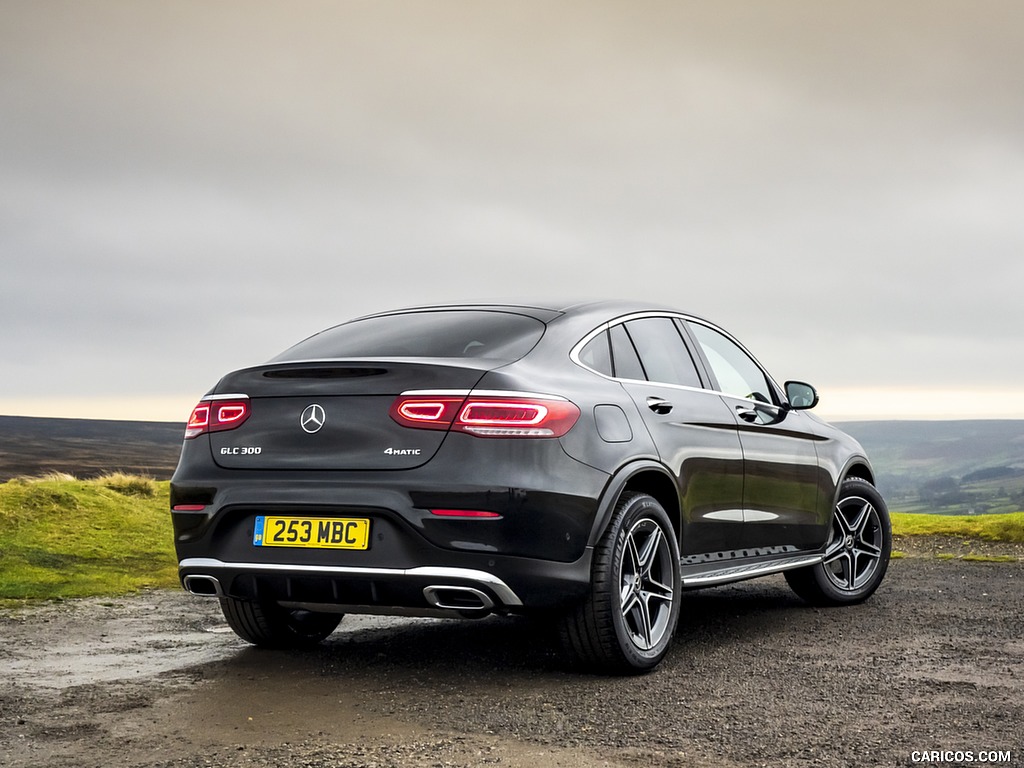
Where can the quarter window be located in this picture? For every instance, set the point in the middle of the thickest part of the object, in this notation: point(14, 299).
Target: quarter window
point(597, 355)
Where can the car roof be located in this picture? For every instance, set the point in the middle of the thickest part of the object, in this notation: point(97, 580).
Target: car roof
point(543, 310)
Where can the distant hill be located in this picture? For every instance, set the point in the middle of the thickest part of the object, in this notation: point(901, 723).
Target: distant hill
point(926, 466)
point(87, 447)
point(935, 448)
point(946, 466)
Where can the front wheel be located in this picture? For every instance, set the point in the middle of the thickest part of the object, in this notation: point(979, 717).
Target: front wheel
point(627, 622)
point(857, 552)
point(268, 625)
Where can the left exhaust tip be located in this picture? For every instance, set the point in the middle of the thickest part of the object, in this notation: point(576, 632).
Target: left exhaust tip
point(203, 586)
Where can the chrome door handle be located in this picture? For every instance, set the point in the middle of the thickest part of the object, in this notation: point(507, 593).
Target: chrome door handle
point(658, 405)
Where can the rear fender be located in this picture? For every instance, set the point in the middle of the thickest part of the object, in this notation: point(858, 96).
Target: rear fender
point(614, 489)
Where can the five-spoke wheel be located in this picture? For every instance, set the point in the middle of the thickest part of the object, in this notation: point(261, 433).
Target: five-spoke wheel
point(647, 584)
point(626, 623)
point(857, 552)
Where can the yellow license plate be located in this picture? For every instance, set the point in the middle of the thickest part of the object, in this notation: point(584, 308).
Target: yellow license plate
point(311, 532)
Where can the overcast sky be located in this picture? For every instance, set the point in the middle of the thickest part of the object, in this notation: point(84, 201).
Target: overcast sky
point(190, 187)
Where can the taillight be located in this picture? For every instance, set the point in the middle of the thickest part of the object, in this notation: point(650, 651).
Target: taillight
point(426, 411)
point(491, 415)
point(217, 415)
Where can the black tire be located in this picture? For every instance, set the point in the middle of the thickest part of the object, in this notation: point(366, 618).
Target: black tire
point(627, 622)
point(857, 553)
point(268, 625)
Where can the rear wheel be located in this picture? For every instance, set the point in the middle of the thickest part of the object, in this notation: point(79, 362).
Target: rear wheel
point(626, 623)
point(857, 552)
point(270, 626)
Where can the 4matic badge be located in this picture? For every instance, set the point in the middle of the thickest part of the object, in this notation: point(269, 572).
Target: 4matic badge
point(402, 451)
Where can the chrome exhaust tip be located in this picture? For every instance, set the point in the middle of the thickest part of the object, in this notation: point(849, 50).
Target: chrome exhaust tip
point(458, 598)
point(203, 586)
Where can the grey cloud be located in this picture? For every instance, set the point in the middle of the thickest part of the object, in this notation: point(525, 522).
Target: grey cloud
point(186, 187)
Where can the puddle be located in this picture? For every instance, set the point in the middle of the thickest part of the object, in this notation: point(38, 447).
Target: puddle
point(92, 641)
point(71, 644)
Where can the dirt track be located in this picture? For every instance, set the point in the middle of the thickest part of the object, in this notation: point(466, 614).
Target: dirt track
point(757, 678)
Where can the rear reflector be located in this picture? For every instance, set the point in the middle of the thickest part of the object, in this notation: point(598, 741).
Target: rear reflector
point(217, 414)
point(188, 507)
point(492, 415)
point(476, 513)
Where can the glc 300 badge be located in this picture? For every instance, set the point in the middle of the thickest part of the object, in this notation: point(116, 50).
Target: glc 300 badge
point(313, 418)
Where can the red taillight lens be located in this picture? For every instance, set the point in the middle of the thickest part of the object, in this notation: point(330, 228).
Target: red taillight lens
point(231, 413)
point(217, 416)
point(518, 417)
point(199, 421)
point(425, 411)
point(488, 415)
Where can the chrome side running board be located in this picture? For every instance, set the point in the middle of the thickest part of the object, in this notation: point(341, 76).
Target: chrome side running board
point(736, 573)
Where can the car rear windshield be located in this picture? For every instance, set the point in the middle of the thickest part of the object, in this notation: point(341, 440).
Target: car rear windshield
point(502, 336)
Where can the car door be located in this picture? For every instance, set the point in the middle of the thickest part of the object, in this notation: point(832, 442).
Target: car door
point(783, 501)
point(693, 429)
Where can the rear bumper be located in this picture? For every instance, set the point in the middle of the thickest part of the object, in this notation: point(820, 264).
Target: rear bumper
point(532, 551)
point(419, 590)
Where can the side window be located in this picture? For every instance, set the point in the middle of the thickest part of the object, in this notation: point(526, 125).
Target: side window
point(597, 354)
point(662, 351)
point(736, 372)
point(625, 363)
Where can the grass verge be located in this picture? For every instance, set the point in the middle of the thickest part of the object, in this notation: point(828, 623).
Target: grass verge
point(61, 537)
point(1006, 527)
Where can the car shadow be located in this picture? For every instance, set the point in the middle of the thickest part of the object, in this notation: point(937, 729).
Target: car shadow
point(448, 649)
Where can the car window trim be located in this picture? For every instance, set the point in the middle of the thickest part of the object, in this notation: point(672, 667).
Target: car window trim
point(706, 375)
point(636, 350)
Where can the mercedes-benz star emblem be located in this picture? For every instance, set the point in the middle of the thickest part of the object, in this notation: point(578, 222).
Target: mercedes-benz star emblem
point(313, 418)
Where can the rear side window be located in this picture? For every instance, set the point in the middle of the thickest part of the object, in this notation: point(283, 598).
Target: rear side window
point(662, 351)
point(625, 361)
point(501, 336)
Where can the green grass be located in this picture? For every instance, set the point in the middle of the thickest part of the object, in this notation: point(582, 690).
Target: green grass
point(61, 537)
point(989, 558)
point(1005, 527)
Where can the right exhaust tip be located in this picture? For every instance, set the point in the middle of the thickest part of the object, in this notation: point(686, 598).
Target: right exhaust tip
point(455, 598)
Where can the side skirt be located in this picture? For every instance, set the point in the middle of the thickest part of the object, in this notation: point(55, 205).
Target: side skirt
point(706, 575)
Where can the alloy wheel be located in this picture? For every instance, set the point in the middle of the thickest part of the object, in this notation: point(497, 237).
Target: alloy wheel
point(854, 550)
point(647, 582)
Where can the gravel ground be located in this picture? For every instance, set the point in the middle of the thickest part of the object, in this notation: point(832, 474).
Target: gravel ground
point(757, 678)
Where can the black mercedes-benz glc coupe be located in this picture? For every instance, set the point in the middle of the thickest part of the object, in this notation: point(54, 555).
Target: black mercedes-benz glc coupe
point(585, 463)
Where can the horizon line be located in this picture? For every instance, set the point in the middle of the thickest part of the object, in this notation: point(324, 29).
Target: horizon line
point(838, 404)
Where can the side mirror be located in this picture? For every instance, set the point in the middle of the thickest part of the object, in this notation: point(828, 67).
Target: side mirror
point(801, 396)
